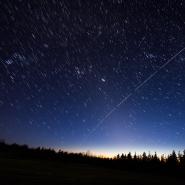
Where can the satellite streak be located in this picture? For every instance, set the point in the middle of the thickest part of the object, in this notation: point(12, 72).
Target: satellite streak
point(136, 88)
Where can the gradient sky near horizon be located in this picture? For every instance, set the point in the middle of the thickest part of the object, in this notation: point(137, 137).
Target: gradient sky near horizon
point(64, 65)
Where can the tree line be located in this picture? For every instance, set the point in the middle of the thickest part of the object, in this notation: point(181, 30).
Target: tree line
point(173, 163)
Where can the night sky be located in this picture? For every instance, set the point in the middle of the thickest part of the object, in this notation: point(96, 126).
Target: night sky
point(105, 76)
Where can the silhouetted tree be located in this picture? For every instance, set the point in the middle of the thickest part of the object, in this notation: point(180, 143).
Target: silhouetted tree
point(129, 156)
point(135, 157)
point(118, 156)
point(123, 157)
point(144, 156)
point(172, 161)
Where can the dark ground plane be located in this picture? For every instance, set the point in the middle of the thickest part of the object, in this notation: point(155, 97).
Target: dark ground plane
point(33, 172)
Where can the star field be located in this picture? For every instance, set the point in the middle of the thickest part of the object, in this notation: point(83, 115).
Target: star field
point(64, 65)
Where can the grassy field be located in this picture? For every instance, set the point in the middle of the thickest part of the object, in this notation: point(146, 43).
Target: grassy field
point(27, 172)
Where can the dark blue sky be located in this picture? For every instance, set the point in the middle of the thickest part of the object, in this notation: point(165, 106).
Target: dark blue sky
point(64, 65)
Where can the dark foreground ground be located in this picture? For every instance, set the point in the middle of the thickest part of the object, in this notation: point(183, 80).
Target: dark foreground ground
point(28, 172)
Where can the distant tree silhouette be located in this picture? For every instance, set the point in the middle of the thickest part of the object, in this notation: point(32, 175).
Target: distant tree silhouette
point(163, 159)
point(182, 162)
point(173, 162)
point(144, 157)
point(135, 157)
point(117, 157)
point(129, 156)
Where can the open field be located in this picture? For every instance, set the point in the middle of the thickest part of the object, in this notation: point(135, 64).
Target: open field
point(28, 172)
